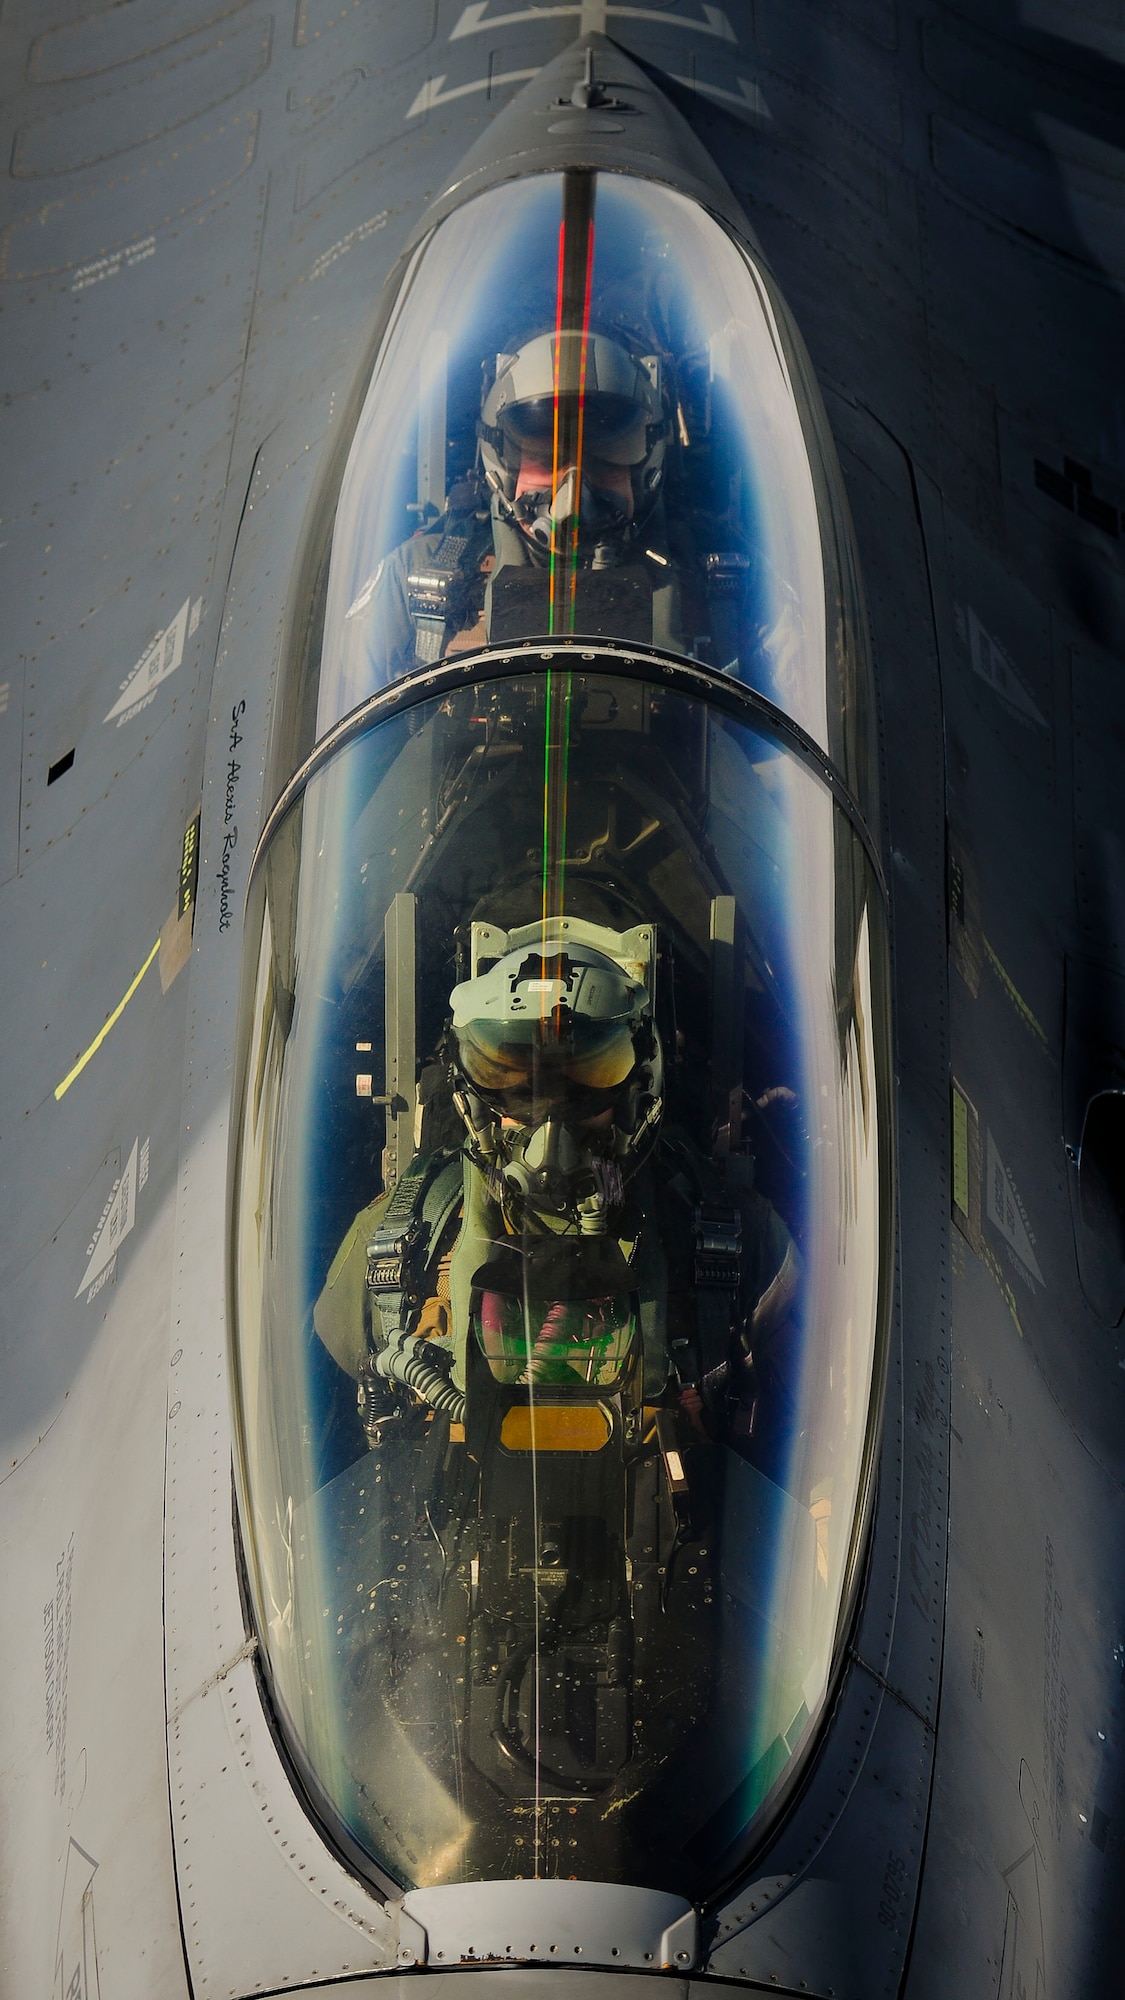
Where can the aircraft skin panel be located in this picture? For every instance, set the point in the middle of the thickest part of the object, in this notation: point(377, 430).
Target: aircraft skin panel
point(888, 1714)
point(229, 1790)
point(201, 207)
point(87, 1862)
point(158, 248)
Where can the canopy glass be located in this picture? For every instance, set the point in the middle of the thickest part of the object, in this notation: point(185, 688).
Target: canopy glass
point(560, 1243)
point(591, 414)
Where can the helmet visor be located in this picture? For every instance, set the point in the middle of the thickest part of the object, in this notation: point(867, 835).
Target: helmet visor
point(613, 427)
point(585, 1055)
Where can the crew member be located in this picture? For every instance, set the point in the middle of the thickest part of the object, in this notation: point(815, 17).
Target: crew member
point(566, 1212)
point(589, 477)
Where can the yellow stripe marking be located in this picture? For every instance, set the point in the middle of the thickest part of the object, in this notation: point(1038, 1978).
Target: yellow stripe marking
point(103, 1031)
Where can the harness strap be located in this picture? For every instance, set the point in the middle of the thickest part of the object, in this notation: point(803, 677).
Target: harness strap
point(411, 1226)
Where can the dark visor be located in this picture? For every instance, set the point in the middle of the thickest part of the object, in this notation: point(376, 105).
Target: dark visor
point(613, 426)
point(586, 1055)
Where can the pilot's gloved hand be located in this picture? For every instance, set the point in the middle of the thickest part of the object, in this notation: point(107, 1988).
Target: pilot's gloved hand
point(691, 1403)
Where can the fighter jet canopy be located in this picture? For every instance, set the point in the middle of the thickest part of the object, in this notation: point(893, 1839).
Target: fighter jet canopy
point(591, 414)
point(561, 1186)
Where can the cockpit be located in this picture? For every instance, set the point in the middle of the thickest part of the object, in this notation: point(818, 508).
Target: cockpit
point(561, 1187)
point(588, 416)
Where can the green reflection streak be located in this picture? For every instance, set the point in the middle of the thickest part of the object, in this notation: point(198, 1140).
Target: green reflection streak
point(559, 693)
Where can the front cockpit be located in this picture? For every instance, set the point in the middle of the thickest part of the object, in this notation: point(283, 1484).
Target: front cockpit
point(561, 1193)
point(590, 416)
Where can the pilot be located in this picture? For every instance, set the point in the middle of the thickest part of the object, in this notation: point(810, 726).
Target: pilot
point(581, 468)
point(566, 1202)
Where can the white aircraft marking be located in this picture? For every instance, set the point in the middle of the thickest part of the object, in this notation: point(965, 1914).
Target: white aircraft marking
point(992, 664)
point(475, 19)
point(76, 1956)
point(160, 658)
point(359, 234)
point(117, 260)
point(432, 94)
point(118, 1217)
point(57, 1618)
point(747, 97)
point(1006, 1210)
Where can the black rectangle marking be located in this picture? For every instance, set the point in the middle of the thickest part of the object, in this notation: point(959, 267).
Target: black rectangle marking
point(1098, 511)
point(1055, 483)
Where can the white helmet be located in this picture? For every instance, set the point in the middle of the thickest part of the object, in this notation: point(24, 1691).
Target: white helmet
point(558, 1079)
point(618, 412)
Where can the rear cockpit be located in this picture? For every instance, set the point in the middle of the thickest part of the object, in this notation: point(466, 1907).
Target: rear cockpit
point(561, 1209)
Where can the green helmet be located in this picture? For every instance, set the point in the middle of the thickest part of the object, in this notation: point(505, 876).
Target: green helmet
point(559, 1078)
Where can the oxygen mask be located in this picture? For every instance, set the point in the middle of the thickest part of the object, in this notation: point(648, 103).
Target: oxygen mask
point(558, 1082)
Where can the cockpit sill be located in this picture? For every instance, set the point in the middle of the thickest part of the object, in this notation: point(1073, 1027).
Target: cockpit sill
point(585, 1926)
point(638, 1931)
point(437, 1927)
point(431, 1924)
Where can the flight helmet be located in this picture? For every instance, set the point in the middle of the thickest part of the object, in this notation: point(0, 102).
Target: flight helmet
point(571, 396)
point(558, 1080)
